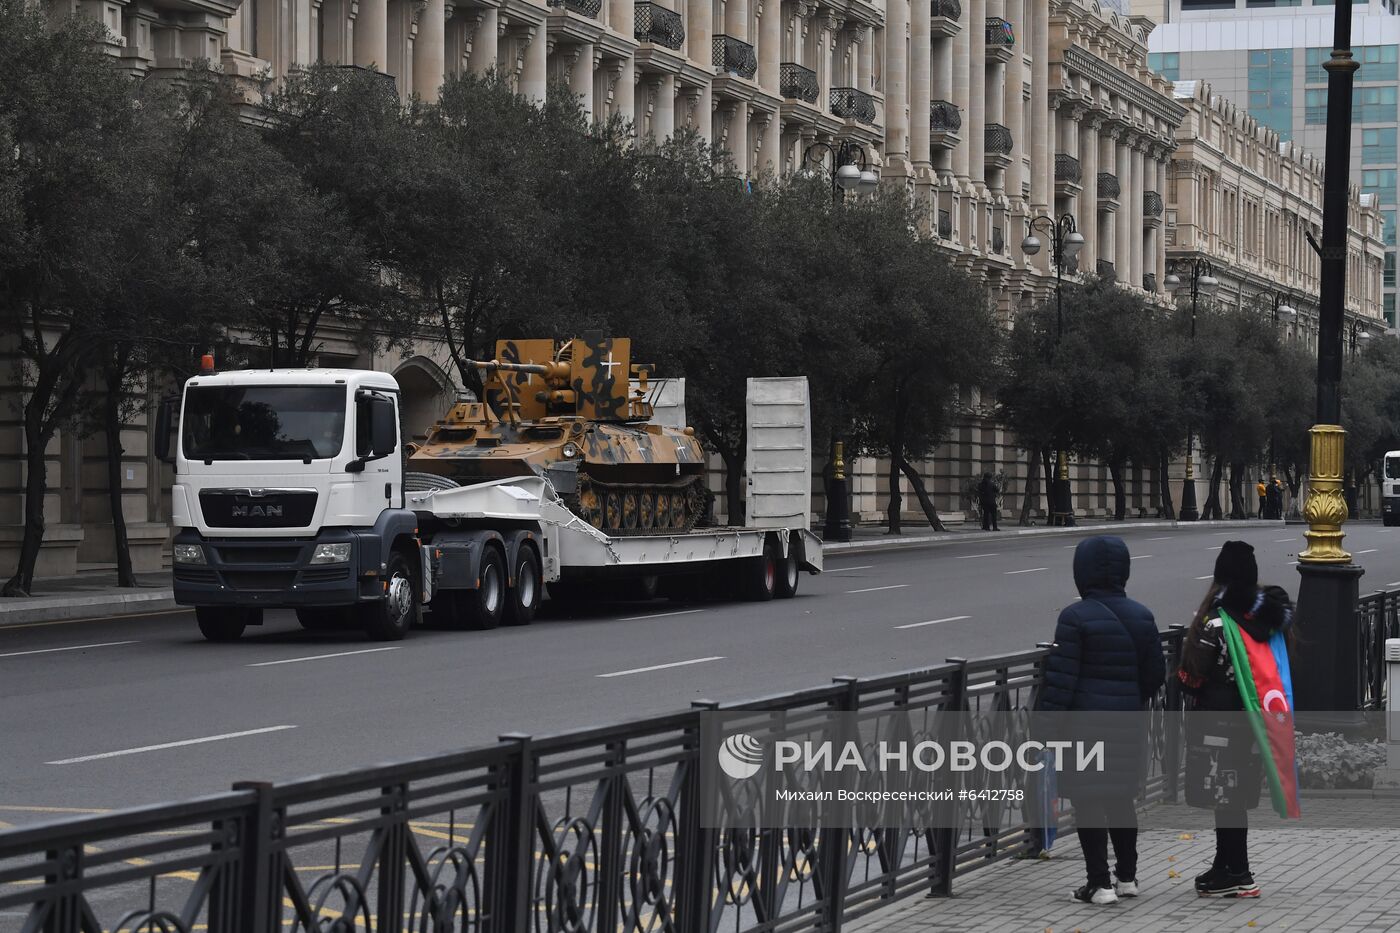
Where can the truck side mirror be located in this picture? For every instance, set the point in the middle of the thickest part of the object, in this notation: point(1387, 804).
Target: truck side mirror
point(165, 420)
point(383, 427)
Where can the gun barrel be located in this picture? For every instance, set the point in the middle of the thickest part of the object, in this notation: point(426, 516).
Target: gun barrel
point(489, 365)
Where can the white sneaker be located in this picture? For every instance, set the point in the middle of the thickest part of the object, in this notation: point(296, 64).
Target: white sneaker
point(1088, 895)
point(1125, 888)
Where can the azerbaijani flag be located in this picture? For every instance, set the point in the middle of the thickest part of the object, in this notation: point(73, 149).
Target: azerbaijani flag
point(1266, 686)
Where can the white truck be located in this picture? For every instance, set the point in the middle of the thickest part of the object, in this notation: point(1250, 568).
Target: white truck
point(1390, 488)
point(289, 492)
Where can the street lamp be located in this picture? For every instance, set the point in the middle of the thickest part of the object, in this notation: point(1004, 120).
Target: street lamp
point(1357, 333)
point(850, 171)
point(1203, 281)
point(1065, 244)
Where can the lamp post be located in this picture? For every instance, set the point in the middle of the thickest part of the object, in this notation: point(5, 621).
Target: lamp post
point(850, 171)
point(1202, 275)
point(1065, 244)
point(1358, 336)
point(1327, 687)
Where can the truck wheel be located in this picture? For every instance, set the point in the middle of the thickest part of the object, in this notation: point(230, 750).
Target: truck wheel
point(483, 607)
point(390, 618)
point(324, 618)
point(223, 623)
point(758, 576)
point(789, 572)
point(524, 598)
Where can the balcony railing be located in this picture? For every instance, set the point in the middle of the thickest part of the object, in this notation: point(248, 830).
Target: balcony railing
point(1109, 189)
point(999, 32)
point(1151, 204)
point(798, 82)
point(948, 9)
point(999, 140)
point(852, 104)
point(734, 57)
point(1067, 168)
point(659, 26)
point(1149, 282)
point(943, 117)
point(1106, 270)
point(589, 8)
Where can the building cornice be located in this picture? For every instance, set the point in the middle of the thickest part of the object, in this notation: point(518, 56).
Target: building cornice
point(1098, 70)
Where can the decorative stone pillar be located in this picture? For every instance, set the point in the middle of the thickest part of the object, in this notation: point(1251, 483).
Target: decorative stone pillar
point(770, 44)
point(960, 74)
point(534, 80)
point(699, 33)
point(581, 77)
point(663, 106)
point(1135, 212)
point(1159, 259)
point(976, 125)
point(1108, 162)
point(736, 19)
point(896, 90)
point(921, 73)
point(429, 49)
point(1125, 182)
point(486, 42)
point(372, 34)
point(625, 90)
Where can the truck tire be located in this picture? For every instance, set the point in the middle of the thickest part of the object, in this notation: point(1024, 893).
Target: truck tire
point(325, 618)
point(789, 571)
point(523, 601)
point(390, 618)
point(481, 609)
point(223, 623)
point(758, 576)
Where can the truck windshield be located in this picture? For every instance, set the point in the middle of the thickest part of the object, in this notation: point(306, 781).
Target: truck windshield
point(263, 422)
point(1392, 466)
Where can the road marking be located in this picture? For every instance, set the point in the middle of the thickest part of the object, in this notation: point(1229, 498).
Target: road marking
point(876, 589)
point(1032, 570)
point(1396, 583)
point(1209, 576)
point(1221, 548)
point(1221, 534)
point(659, 615)
point(54, 809)
point(1284, 540)
point(164, 745)
point(974, 556)
point(1162, 538)
point(662, 667)
point(322, 657)
point(105, 644)
point(933, 622)
point(1371, 550)
point(1142, 557)
point(127, 617)
point(844, 569)
point(1066, 547)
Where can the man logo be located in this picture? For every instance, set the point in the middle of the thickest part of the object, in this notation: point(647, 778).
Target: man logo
point(741, 756)
point(256, 511)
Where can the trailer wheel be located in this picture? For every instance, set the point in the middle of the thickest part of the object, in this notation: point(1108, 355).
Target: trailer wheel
point(525, 596)
point(789, 571)
point(390, 618)
point(324, 618)
point(1387, 520)
point(223, 623)
point(758, 576)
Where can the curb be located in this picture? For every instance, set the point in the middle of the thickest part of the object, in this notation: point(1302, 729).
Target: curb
point(950, 537)
point(62, 609)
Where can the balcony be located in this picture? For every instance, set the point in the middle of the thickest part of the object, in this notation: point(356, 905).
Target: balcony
point(1149, 282)
point(1106, 271)
point(733, 57)
point(1001, 39)
point(589, 8)
point(946, 14)
point(1109, 189)
point(944, 125)
point(1151, 208)
point(852, 104)
point(798, 83)
point(998, 146)
point(1068, 175)
point(658, 25)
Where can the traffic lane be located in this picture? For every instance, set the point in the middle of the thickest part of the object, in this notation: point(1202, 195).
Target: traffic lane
point(765, 647)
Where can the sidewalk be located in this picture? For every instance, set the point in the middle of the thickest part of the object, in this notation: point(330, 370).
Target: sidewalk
point(1343, 877)
point(93, 592)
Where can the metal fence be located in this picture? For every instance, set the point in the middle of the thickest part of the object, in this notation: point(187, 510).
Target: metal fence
point(591, 830)
point(1378, 618)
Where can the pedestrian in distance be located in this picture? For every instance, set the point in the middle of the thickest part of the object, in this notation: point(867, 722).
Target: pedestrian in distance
point(1107, 658)
point(1239, 730)
point(987, 502)
point(1273, 494)
point(1263, 499)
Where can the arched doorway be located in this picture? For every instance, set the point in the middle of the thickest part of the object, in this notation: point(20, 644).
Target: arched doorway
point(427, 395)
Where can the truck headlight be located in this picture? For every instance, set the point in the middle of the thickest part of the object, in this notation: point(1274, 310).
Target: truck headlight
point(331, 553)
point(189, 554)
point(570, 450)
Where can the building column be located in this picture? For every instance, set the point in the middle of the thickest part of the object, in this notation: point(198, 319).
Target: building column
point(1124, 221)
point(699, 32)
point(770, 150)
point(625, 90)
point(1159, 260)
point(581, 78)
point(896, 89)
point(920, 76)
point(960, 94)
point(486, 44)
point(736, 19)
point(429, 49)
point(770, 44)
point(1089, 154)
point(663, 110)
point(372, 34)
point(534, 81)
point(1108, 249)
point(976, 126)
point(1135, 212)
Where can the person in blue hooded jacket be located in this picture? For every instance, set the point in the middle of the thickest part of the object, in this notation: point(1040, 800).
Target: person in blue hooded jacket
point(1107, 658)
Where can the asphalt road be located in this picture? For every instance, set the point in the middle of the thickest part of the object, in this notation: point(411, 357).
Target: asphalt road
point(101, 713)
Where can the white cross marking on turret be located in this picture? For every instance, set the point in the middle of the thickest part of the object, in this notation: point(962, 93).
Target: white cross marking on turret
point(610, 364)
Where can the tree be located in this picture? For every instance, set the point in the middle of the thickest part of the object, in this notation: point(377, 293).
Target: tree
point(1371, 406)
point(66, 112)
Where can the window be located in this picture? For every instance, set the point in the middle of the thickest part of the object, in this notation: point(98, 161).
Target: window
point(1368, 105)
point(1166, 64)
point(1388, 303)
point(1389, 279)
point(1389, 232)
point(1271, 89)
point(1378, 145)
point(1378, 63)
point(1315, 107)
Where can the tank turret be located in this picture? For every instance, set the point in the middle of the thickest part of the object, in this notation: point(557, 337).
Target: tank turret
point(568, 411)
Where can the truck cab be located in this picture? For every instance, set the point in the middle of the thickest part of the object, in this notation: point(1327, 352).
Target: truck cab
point(289, 493)
point(1390, 488)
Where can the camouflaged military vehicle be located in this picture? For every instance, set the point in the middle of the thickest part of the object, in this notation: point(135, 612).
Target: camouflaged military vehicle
point(567, 411)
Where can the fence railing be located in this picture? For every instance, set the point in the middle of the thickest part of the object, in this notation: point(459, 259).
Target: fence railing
point(655, 24)
point(592, 830)
point(1378, 618)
